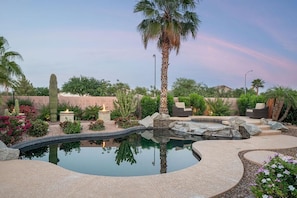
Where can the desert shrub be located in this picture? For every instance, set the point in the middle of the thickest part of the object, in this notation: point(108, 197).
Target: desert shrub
point(91, 112)
point(98, 125)
point(10, 103)
point(126, 122)
point(292, 115)
point(198, 103)
point(71, 127)
point(12, 128)
point(219, 107)
point(38, 128)
point(277, 178)
point(148, 106)
point(114, 114)
point(44, 113)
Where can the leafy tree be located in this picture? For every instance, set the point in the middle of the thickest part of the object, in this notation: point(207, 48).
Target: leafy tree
point(41, 91)
point(184, 87)
point(167, 21)
point(24, 87)
point(86, 86)
point(8, 67)
point(141, 90)
point(112, 90)
point(283, 97)
point(256, 84)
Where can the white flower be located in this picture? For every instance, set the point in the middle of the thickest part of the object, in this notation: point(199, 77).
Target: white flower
point(264, 196)
point(268, 179)
point(266, 172)
point(291, 188)
point(280, 166)
point(279, 175)
point(263, 180)
point(273, 166)
point(287, 172)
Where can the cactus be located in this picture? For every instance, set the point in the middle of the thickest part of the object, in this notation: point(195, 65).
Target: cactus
point(125, 103)
point(53, 98)
point(16, 107)
point(6, 112)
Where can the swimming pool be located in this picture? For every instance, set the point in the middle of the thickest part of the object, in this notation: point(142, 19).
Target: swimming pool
point(146, 152)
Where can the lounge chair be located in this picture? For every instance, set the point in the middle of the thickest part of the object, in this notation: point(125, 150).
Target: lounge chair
point(179, 110)
point(260, 111)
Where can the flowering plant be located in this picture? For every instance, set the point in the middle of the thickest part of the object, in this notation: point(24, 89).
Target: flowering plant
point(277, 178)
point(98, 125)
point(12, 128)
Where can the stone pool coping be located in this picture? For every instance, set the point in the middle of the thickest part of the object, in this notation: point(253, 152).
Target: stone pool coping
point(219, 170)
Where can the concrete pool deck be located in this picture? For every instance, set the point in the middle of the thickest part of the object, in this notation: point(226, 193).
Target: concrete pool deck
point(219, 170)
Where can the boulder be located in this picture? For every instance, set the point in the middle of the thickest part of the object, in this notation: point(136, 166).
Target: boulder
point(251, 129)
point(8, 153)
point(147, 122)
point(277, 126)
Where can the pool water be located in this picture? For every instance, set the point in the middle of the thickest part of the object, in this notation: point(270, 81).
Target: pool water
point(137, 154)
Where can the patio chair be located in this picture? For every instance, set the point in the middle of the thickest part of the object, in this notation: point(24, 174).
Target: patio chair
point(180, 110)
point(260, 111)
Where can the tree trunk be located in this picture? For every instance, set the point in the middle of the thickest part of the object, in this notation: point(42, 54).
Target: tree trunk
point(163, 109)
point(278, 105)
point(286, 113)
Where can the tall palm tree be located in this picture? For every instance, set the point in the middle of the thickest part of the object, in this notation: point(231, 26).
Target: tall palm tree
point(257, 83)
point(8, 67)
point(167, 21)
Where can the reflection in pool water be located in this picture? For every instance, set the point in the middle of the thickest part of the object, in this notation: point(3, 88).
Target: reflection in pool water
point(142, 153)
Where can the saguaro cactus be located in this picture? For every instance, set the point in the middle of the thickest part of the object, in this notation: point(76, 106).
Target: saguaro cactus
point(16, 107)
point(53, 98)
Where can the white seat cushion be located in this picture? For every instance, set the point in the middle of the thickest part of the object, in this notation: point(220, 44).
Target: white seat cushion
point(260, 106)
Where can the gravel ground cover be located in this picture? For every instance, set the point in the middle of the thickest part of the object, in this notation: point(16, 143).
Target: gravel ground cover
point(242, 189)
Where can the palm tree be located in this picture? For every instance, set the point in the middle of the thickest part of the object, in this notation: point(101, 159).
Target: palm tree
point(257, 83)
point(167, 21)
point(283, 96)
point(8, 67)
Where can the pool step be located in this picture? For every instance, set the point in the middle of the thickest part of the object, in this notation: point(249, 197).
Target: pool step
point(270, 132)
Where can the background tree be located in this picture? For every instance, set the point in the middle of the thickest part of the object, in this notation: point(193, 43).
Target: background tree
point(167, 21)
point(41, 91)
point(256, 84)
point(184, 87)
point(8, 67)
point(24, 87)
point(86, 86)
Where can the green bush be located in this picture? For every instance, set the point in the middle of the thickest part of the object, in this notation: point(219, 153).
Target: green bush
point(277, 178)
point(38, 128)
point(44, 113)
point(219, 107)
point(148, 106)
point(248, 101)
point(98, 125)
point(185, 99)
point(114, 114)
point(71, 127)
point(198, 103)
point(91, 112)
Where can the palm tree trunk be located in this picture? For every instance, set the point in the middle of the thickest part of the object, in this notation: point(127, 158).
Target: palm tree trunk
point(286, 113)
point(277, 108)
point(163, 109)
